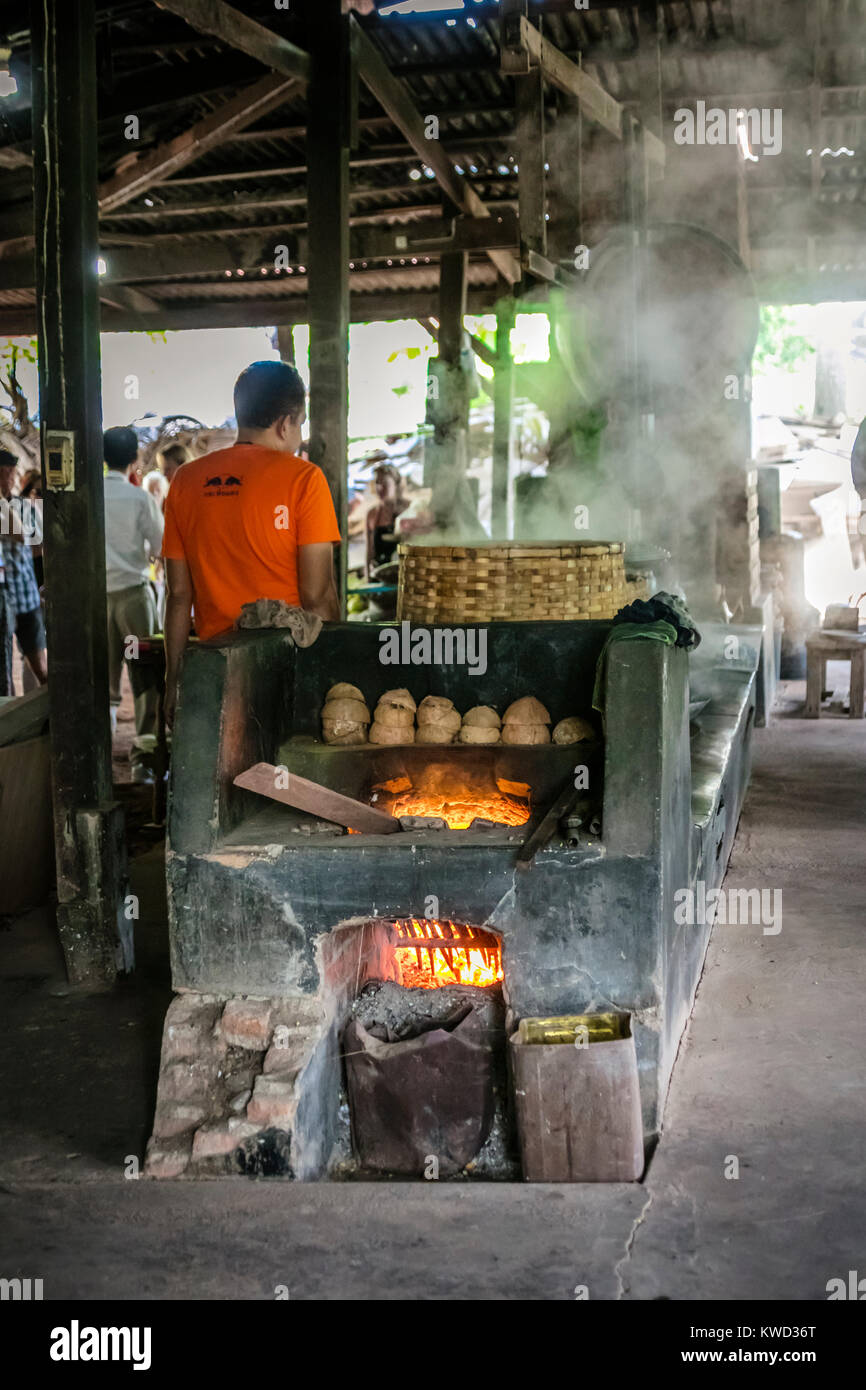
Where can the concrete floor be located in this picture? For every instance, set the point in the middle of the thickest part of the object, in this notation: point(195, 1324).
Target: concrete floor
point(770, 1073)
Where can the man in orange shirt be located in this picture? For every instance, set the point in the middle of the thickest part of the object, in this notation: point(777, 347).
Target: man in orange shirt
point(252, 521)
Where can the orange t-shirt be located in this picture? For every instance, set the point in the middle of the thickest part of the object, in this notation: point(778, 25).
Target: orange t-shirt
point(237, 518)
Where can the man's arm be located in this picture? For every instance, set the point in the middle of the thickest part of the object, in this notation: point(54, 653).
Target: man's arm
point(316, 583)
point(178, 613)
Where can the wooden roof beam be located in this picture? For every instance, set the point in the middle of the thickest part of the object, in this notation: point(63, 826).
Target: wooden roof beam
point(201, 255)
point(251, 313)
point(395, 100)
point(237, 31)
point(596, 104)
point(244, 108)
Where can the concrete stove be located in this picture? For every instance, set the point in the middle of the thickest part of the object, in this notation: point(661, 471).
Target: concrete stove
point(270, 912)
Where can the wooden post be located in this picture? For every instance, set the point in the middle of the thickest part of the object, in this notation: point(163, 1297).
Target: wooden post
point(286, 343)
point(503, 410)
point(452, 305)
point(88, 825)
point(529, 111)
point(445, 455)
point(329, 126)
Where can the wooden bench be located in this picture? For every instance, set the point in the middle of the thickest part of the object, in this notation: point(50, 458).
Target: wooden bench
point(832, 644)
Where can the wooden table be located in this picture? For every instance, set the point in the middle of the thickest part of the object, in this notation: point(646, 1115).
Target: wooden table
point(832, 644)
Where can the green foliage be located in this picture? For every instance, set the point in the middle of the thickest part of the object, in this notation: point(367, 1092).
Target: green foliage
point(410, 352)
point(12, 351)
point(779, 347)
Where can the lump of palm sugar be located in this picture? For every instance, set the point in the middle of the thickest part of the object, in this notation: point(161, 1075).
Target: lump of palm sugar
point(526, 711)
point(573, 730)
point(481, 717)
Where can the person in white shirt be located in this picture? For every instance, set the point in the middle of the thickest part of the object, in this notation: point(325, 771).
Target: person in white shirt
point(133, 536)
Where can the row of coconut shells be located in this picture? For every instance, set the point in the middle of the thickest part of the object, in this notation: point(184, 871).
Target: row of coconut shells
point(397, 719)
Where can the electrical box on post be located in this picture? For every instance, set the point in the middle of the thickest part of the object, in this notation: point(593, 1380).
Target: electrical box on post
point(60, 460)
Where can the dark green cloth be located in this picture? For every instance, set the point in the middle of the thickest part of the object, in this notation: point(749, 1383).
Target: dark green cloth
point(666, 607)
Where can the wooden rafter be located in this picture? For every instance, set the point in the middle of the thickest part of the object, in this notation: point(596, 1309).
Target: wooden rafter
point(237, 31)
point(396, 101)
point(596, 104)
point(244, 108)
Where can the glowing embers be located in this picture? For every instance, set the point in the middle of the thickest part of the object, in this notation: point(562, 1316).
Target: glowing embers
point(446, 953)
point(457, 796)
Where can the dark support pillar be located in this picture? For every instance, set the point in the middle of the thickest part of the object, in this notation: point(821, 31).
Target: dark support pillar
point(503, 411)
point(286, 343)
point(329, 125)
point(452, 305)
point(446, 453)
point(529, 111)
point(88, 825)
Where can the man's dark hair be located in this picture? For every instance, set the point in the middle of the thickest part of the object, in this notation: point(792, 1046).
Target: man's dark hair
point(120, 447)
point(265, 392)
point(8, 459)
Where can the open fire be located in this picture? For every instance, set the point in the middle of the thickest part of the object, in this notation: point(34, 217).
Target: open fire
point(457, 798)
point(446, 953)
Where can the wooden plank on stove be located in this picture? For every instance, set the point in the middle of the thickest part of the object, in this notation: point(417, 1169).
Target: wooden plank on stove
point(312, 797)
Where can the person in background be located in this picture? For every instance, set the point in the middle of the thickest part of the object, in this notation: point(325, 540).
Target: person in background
point(382, 519)
point(155, 484)
point(7, 617)
point(174, 456)
point(31, 491)
point(21, 531)
point(248, 522)
point(133, 534)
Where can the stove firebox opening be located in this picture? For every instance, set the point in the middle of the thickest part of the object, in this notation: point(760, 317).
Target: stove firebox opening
point(423, 1046)
point(433, 954)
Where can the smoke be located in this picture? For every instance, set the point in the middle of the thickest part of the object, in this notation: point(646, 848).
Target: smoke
point(647, 390)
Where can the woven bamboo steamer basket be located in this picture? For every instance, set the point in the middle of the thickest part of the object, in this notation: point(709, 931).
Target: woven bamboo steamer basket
point(502, 582)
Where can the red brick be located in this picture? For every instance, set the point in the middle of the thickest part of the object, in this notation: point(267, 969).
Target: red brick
point(187, 1081)
point(166, 1160)
point(273, 1103)
point(172, 1119)
point(247, 1023)
point(288, 1052)
point(188, 1041)
point(223, 1138)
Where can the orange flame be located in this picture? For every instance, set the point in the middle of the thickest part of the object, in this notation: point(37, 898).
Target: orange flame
point(444, 953)
point(460, 808)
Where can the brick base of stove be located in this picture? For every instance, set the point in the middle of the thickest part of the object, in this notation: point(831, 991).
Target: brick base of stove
point(238, 1089)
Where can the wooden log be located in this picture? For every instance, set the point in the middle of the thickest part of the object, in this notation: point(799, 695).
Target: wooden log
point(312, 797)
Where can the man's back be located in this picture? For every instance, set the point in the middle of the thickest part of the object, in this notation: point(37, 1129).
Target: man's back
point(237, 517)
point(133, 529)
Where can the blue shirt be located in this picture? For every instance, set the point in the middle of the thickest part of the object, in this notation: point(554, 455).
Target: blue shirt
point(21, 519)
point(21, 586)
